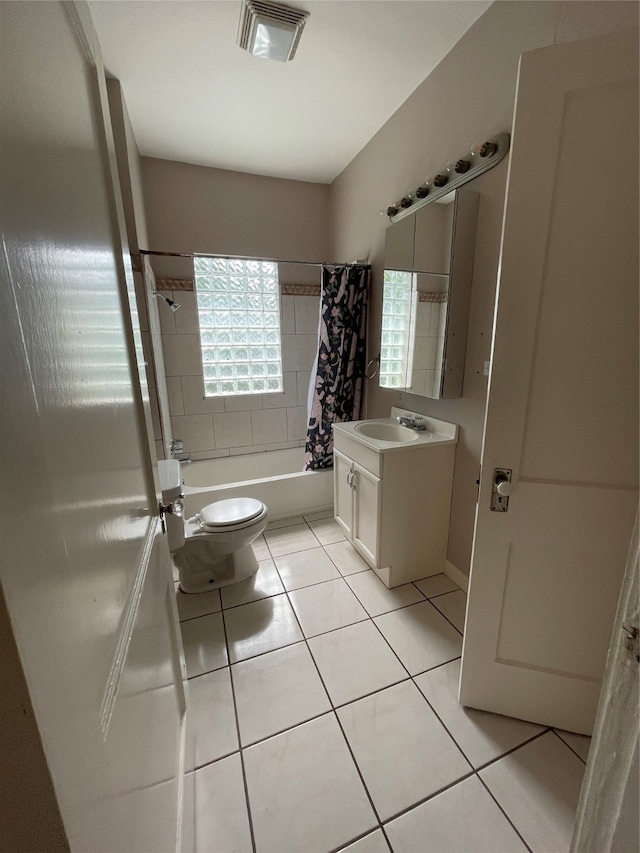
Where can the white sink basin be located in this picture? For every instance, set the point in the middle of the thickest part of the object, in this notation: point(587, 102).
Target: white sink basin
point(387, 432)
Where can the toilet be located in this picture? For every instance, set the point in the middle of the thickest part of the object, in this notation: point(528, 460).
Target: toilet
point(213, 548)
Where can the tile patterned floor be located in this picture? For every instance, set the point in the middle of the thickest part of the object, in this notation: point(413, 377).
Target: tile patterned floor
point(324, 717)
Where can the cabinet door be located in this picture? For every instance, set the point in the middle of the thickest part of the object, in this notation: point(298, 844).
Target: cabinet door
point(366, 515)
point(342, 492)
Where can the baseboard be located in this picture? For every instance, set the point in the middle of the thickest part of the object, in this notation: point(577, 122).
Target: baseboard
point(456, 575)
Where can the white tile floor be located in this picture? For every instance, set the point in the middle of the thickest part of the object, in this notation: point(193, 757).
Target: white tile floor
point(324, 717)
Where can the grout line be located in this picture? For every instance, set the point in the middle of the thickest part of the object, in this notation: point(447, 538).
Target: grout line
point(445, 617)
point(508, 819)
point(513, 749)
point(360, 837)
point(429, 797)
point(353, 758)
point(235, 712)
point(577, 754)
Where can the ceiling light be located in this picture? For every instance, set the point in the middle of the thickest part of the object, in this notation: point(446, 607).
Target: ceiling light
point(270, 30)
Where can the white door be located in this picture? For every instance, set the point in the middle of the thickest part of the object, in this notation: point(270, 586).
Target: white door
point(84, 565)
point(562, 404)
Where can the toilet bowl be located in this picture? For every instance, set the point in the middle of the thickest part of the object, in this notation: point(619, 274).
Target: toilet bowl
point(213, 548)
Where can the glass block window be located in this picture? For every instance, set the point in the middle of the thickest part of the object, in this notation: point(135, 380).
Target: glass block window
point(239, 314)
point(395, 350)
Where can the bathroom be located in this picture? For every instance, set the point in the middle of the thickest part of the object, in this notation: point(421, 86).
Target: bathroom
point(470, 94)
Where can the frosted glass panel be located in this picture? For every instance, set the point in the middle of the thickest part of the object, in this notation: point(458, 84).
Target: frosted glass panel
point(396, 346)
point(239, 316)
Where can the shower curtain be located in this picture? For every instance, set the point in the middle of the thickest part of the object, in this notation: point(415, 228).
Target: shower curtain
point(336, 392)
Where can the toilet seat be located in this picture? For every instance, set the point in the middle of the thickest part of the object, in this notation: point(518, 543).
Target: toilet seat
point(230, 514)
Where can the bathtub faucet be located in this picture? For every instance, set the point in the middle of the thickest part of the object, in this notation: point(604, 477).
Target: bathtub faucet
point(182, 457)
point(176, 446)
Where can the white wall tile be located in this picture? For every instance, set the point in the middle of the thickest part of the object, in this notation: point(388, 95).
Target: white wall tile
point(251, 448)
point(287, 315)
point(174, 390)
point(307, 313)
point(269, 425)
point(243, 402)
point(187, 316)
point(181, 355)
point(232, 429)
point(195, 403)
point(281, 401)
point(423, 318)
point(425, 353)
point(282, 445)
point(302, 381)
point(196, 431)
point(166, 315)
point(209, 454)
point(298, 351)
point(297, 422)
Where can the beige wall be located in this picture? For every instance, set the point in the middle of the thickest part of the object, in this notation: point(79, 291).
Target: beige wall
point(199, 209)
point(467, 98)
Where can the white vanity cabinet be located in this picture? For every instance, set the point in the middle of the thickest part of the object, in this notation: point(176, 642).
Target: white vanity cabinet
point(357, 502)
point(392, 499)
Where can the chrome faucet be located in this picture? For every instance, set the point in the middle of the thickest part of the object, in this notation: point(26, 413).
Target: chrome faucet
point(176, 446)
point(412, 422)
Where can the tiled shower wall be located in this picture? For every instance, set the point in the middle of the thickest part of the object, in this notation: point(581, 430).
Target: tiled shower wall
point(223, 426)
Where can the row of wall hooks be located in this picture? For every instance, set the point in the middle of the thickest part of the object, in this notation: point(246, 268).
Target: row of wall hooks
point(480, 159)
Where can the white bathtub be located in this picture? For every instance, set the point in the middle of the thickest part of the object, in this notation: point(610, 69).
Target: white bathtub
point(275, 477)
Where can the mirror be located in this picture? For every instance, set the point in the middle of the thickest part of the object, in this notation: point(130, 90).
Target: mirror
point(427, 285)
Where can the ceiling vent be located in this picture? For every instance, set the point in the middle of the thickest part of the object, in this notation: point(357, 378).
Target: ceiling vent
point(270, 30)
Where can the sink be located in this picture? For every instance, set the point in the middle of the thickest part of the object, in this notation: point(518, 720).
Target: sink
point(387, 432)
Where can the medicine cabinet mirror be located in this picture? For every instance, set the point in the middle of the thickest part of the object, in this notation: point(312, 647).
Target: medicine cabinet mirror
point(427, 287)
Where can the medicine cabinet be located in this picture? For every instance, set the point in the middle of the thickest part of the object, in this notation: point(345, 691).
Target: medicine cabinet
point(427, 288)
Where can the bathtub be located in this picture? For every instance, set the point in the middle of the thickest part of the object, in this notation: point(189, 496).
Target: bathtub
point(276, 478)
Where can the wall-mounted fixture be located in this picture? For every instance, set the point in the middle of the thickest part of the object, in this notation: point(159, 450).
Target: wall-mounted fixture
point(427, 287)
point(480, 159)
point(170, 302)
point(270, 30)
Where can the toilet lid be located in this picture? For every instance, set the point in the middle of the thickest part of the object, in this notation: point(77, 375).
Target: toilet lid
point(230, 511)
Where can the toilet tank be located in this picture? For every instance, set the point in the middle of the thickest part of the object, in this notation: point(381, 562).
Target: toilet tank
point(171, 485)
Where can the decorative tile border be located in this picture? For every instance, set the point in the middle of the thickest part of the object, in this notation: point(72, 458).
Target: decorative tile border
point(285, 289)
point(300, 289)
point(432, 297)
point(174, 284)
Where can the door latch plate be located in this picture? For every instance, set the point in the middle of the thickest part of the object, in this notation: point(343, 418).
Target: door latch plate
point(501, 489)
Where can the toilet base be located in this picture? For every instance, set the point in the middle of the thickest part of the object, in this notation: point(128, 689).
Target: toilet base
point(196, 575)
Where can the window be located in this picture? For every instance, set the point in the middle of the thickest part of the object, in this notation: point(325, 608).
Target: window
point(239, 314)
point(396, 340)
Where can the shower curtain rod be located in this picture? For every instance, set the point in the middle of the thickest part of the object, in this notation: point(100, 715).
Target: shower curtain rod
point(250, 258)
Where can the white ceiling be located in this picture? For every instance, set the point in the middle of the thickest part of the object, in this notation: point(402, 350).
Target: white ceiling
point(194, 96)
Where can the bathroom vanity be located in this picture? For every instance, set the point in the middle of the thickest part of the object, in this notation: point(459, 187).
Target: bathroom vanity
point(392, 493)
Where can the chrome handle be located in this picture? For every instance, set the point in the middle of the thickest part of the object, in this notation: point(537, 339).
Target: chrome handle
point(501, 490)
point(374, 361)
point(175, 507)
